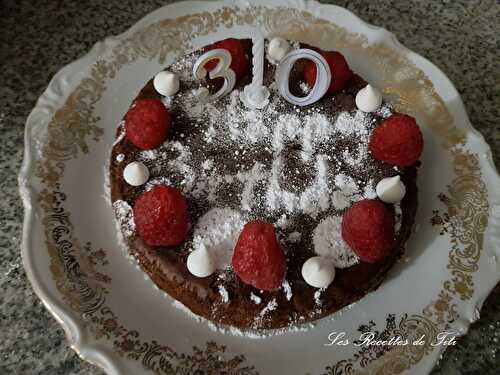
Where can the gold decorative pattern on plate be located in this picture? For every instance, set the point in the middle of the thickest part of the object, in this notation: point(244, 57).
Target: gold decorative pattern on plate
point(73, 266)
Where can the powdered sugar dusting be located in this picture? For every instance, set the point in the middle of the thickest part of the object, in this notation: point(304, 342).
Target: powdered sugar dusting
point(257, 334)
point(316, 198)
point(271, 306)
point(346, 191)
point(356, 159)
point(229, 122)
point(158, 181)
point(217, 232)
point(317, 297)
point(305, 88)
point(224, 294)
point(398, 216)
point(248, 333)
point(353, 124)
point(207, 164)
point(283, 222)
point(125, 216)
point(385, 110)
point(121, 134)
point(263, 315)
point(276, 196)
point(255, 298)
point(369, 191)
point(294, 237)
point(328, 242)
point(177, 156)
point(249, 181)
point(187, 311)
point(287, 289)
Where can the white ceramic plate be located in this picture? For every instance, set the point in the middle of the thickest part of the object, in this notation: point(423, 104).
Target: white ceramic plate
point(112, 315)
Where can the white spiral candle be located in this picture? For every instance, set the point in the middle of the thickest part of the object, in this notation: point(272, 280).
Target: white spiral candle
point(256, 95)
point(258, 59)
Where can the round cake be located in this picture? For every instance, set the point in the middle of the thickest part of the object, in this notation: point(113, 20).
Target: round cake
point(264, 184)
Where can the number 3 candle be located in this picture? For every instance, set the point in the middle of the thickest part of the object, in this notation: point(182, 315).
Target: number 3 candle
point(222, 70)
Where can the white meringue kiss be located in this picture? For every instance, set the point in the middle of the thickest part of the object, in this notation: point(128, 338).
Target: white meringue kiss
point(391, 189)
point(318, 272)
point(277, 49)
point(200, 263)
point(368, 99)
point(136, 173)
point(166, 83)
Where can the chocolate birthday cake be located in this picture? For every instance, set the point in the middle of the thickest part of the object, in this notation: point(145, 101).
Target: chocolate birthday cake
point(264, 184)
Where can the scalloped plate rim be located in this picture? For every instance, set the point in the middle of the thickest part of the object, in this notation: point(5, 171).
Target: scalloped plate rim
point(75, 333)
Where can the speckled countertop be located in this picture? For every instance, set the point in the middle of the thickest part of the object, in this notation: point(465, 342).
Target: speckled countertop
point(39, 38)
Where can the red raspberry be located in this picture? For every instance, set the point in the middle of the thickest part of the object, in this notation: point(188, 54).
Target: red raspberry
point(258, 258)
point(147, 123)
point(368, 228)
point(239, 62)
point(397, 140)
point(161, 216)
point(341, 74)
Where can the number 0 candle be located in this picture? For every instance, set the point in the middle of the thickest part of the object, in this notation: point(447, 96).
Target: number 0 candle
point(323, 76)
